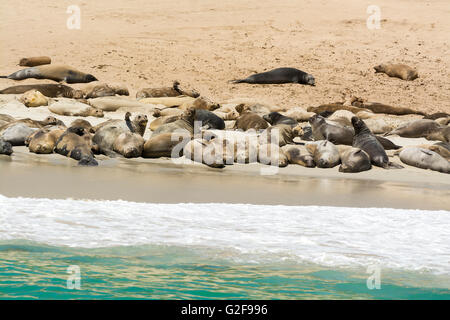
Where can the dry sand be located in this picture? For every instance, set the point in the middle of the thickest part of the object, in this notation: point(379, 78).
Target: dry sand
point(205, 43)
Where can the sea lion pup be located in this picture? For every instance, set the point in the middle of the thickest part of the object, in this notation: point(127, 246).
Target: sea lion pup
point(129, 145)
point(437, 115)
point(278, 76)
point(173, 91)
point(354, 160)
point(249, 120)
point(76, 143)
point(185, 121)
point(366, 141)
point(99, 89)
point(5, 147)
point(44, 140)
point(74, 108)
point(377, 107)
point(424, 159)
point(51, 90)
point(169, 102)
point(298, 154)
point(280, 134)
point(34, 61)
point(442, 134)
point(298, 114)
point(33, 98)
point(275, 118)
point(401, 71)
point(169, 144)
point(321, 130)
point(439, 149)
point(86, 125)
point(53, 72)
point(272, 155)
point(333, 107)
point(167, 112)
point(416, 129)
point(155, 124)
point(325, 153)
point(209, 120)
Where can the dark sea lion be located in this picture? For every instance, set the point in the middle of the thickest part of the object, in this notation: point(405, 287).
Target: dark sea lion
point(442, 134)
point(76, 143)
point(173, 91)
point(333, 107)
point(278, 76)
point(51, 90)
point(424, 159)
point(401, 71)
point(209, 120)
point(162, 145)
point(275, 118)
point(185, 122)
point(366, 141)
point(416, 129)
point(321, 130)
point(325, 153)
point(387, 144)
point(437, 115)
point(52, 72)
point(44, 140)
point(377, 107)
point(5, 147)
point(249, 120)
point(34, 61)
point(129, 145)
point(355, 160)
point(297, 154)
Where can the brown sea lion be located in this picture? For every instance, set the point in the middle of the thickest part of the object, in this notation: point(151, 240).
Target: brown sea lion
point(250, 120)
point(355, 160)
point(33, 98)
point(281, 134)
point(129, 145)
point(437, 115)
point(401, 71)
point(34, 61)
point(173, 91)
point(53, 72)
point(51, 90)
point(98, 89)
point(84, 124)
point(442, 134)
point(377, 107)
point(333, 107)
point(275, 118)
point(155, 124)
point(167, 112)
point(271, 154)
point(44, 140)
point(76, 143)
point(162, 145)
point(416, 129)
point(278, 76)
point(298, 114)
point(185, 122)
point(74, 108)
point(200, 103)
point(325, 153)
point(298, 154)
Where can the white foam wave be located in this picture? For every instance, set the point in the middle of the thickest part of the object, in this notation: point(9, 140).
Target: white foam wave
point(330, 236)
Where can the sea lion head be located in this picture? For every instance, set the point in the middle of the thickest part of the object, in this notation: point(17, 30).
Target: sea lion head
point(141, 120)
point(309, 79)
point(50, 120)
point(87, 161)
point(77, 130)
point(97, 113)
point(316, 119)
point(5, 147)
point(90, 78)
point(189, 115)
point(379, 68)
point(272, 117)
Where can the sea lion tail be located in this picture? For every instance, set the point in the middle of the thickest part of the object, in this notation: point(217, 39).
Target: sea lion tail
point(4, 77)
point(237, 81)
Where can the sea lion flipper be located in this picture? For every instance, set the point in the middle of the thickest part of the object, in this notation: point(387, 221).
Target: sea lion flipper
point(393, 165)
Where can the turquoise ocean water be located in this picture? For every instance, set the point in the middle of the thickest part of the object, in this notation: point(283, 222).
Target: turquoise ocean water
point(124, 250)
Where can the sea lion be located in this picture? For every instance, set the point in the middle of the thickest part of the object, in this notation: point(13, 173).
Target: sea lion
point(98, 89)
point(366, 141)
point(278, 76)
point(387, 144)
point(129, 145)
point(401, 71)
point(437, 115)
point(297, 154)
point(52, 72)
point(200, 103)
point(16, 133)
point(442, 134)
point(76, 143)
point(298, 114)
point(5, 147)
point(167, 112)
point(162, 145)
point(333, 107)
point(354, 160)
point(51, 90)
point(209, 120)
point(443, 121)
point(424, 159)
point(439, 149)
point(137, 125)
point(321, 130)
point(227, 116)
point(275, 118)
point(416, 129)
point(113, 103)
point(33, 98)
point(272, 155)
point(169, 102)
point(173, 91)
point(377, 107)
point(34, 61)
point(280, 134)
point(74, 108)
point(185, 122)
point(249, 120)
point(84, 124)
point(379, 125)
point(155, 124)
point(104, 139)
point(325, 153)
point(36, 124)
point(343, 117)
point(44, 140)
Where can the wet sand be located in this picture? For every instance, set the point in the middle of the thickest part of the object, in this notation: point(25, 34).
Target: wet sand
point(143, 180)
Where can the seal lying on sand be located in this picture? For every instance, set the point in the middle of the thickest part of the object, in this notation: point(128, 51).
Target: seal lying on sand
point(53, 72)
point(401, 71)
point(16, 133)
point(280, 134)
point(74, 108)
point(84, 124)
point(44, 140)
point(416, 129)
point(34, 61)
point(136, 125)
point(275, 118)
point(185, 122)
point(162, 145)
point(76, 143)
point(33, 99)
point(98, 89)
point(297, 154)
point(173, 91)
point(354, 160)
point(51, 90)
point(279, 75)
point(322, 130)
point(5, 147)
point(366, 141)
point(325, 153)
point(129, 145)
point(298, 114)
point(209, 120)
point(442, 134)
point(377, 107)
point(425, 159)
point(273, 155)
point(249, 120)
point(332, 107)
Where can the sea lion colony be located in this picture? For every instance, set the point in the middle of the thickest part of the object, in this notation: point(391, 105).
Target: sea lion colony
point(353, 133)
